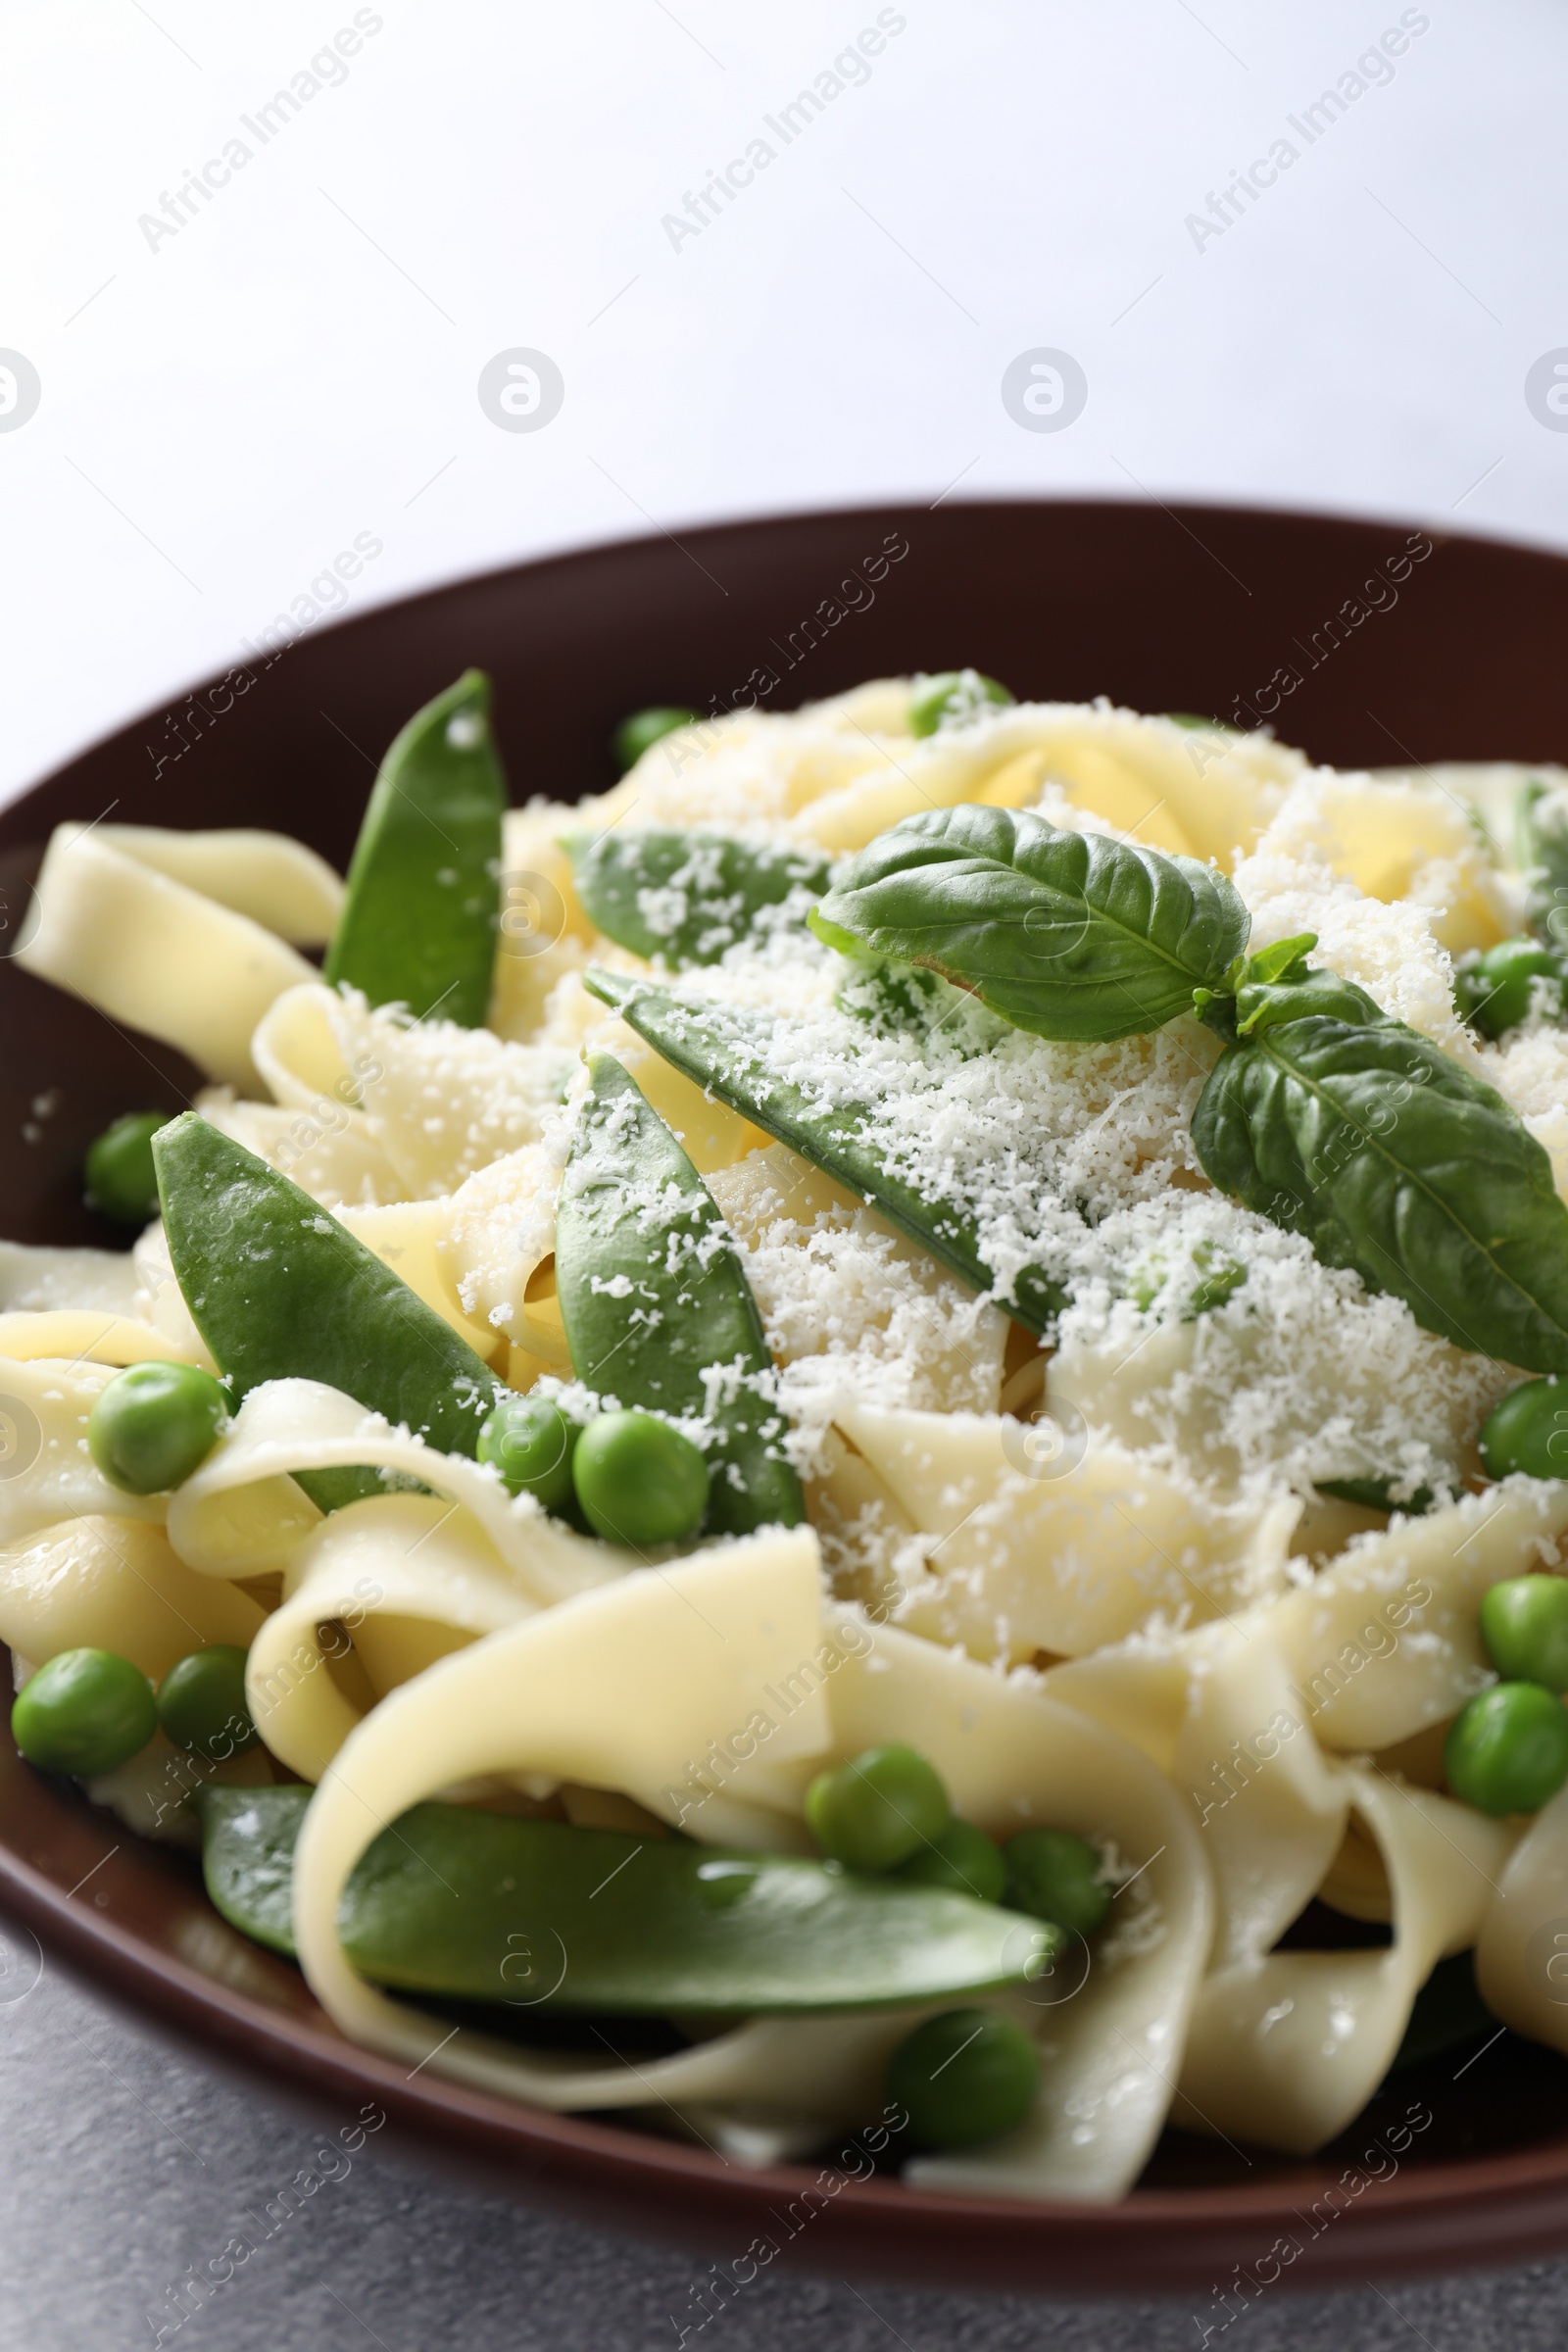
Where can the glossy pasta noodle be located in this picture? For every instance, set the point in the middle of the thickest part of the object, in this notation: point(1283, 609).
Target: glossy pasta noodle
point(1041, 1439)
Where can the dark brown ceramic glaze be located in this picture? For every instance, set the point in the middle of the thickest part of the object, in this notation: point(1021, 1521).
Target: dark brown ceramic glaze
point(1194, 608)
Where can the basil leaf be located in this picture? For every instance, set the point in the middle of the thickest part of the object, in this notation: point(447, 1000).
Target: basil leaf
point(1353, 1130)
point(1265, 1002)
point(684, 897)
point(1285, 961)
point(723, 1049)
point(1072, 936)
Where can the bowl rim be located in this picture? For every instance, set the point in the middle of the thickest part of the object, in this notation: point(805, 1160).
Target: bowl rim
point(1491, 2207)
point(1446, 2214)
point(587, 551)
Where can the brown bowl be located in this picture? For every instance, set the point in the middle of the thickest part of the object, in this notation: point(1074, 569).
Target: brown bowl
point(1367, 643)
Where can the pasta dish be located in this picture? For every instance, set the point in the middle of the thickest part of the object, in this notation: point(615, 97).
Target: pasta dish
point(872, 1432)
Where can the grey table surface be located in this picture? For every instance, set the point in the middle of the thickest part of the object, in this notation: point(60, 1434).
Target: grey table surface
point(127, 2163)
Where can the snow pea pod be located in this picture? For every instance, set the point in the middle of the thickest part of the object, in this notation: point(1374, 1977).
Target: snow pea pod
point(1540, 827)
point(723, 1048)
point(419, 920)
point(657, 1307)
point(486, 1906)
point(279, 1290)
point(685, 897)
point(1378, 1495)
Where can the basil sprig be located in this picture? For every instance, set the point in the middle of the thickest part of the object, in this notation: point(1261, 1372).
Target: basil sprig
point(1336, 1122)
point(1072, 936)
point(682, 898)
point(1323, 1115)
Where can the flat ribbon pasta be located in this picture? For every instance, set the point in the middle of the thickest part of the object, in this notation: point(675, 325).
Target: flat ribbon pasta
point(70, 1334)
point(624, 1688)
point(271, 877)
point(753, 767)
point(1522, 1952)
point(46, 1473)
point(1386, 1638)
point(409, 1236)
point(408, 1578)
point(1401, 840)
point(38, 1281)
point(1238, 1734)
point(439, 1101)
point(1253, 1718)
point(843, 770)
point(109, 1582)
point(497, 1248)
point(149, 950)
point(1197, 793)
point(159, 1302)
point(1381, 1644)
point(1062, 1563)
point(298, 1050)
point(241, 1513)
point(326, 1150)
point(1287, 2047)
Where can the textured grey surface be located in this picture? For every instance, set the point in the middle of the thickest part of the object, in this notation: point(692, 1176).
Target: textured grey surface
point(125, 2165)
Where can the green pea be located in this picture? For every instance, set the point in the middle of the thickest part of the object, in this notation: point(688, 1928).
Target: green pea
point(1055, 1875)
point(121, 1180)
point(1495, 993)
point(959, 1859)
point(963, 2077)
point(201, 1704)
point(877, 1810)
point(85, 1711)
point(531, 1442)
point(1528, 1430)
point(951, 694)
point(1507, 1750)
point(154, 1424)
point(1524, 1624)
point(639, 1481)
point(644, 728)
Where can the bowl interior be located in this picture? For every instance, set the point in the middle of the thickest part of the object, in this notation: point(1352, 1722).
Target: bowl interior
point(1369, 644)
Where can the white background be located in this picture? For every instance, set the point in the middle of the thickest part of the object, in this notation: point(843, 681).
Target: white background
point(225, 409)
point(223, 412)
